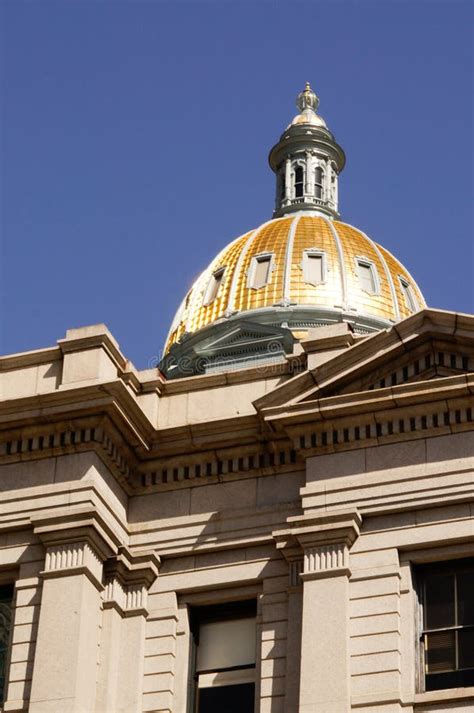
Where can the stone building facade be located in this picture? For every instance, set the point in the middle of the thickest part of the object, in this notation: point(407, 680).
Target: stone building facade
point(280, 519)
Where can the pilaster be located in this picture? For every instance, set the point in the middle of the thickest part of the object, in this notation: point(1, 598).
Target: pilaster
point(69, 629)
point(292, 552)
point(324, 539)
point(128, 577)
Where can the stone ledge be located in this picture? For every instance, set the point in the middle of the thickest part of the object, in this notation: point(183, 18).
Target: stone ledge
point(447, 695)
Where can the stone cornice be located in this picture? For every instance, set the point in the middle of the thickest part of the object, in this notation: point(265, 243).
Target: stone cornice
point(76, 524)
point(22, 360)
point(231, 447)
point(292, 422)
point(137, 568)
point(112, 397)
point(78, 540)
point(382, 347)
point(377, 400)
point(322, 528)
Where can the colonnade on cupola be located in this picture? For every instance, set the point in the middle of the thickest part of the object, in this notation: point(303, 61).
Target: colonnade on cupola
point(319, 188)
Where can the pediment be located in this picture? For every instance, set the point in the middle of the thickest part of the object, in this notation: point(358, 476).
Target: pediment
point(225, 345)
point(243, 334)
point(428, 345)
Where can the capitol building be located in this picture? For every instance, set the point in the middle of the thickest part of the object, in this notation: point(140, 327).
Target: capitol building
point(277, 519)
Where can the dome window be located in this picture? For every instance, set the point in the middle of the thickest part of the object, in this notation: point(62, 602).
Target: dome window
point(409, 295)
point(318, 182)
point(367, 274)
point(260, 271)
point(314, 267)
point(299, 182)
point(213, 286)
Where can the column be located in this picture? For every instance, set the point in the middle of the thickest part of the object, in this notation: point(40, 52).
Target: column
point(288, 179)
point(328, 186)
point(309, 184)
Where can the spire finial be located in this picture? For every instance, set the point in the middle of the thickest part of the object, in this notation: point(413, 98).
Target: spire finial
point(307, 99)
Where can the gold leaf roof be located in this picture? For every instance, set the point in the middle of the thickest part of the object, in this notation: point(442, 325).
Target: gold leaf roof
point(287, 238)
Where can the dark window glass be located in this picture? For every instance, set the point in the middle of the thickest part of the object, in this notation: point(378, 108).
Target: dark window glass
point(318, 182)
point(6, 600)
point(227, 699)
point(447, 591)
point(465, 598)
point(466, 648)
point(439, 608)
point(440, 651)
point(298, 182)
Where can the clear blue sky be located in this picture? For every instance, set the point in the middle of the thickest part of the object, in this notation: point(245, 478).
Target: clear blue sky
point(135, 138)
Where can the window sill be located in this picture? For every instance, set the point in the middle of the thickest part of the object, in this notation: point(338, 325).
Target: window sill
point(445, 695)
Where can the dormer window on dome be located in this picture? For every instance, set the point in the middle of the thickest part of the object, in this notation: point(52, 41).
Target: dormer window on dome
point(260, 271)
point(314, 267)
point(409, 295)
point(213, 286)
point(368, 277)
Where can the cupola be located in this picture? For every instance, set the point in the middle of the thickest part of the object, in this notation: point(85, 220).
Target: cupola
point(307, 162)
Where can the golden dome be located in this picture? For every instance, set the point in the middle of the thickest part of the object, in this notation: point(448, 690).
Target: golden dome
point(317, 271)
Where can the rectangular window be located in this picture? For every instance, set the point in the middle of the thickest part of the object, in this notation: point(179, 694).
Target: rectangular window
point(224, 647)
point(313, 267)
point(299, 182)
point(318, 182)
point(213, 286)
point(366, 272)
point(259, 272)
point(446, 592)
point(6, 605)
point(409, 295)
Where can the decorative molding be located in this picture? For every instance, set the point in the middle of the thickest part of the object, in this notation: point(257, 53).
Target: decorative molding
point(128, 578)
point(73, 558)
point(289, 260)
point(176, 470)
point(68, 440)
point(342, 264)
point(316, 544)
point(419, 421)
point(326, 560)
point(433, 363)
point(65, 556)
point(62, 529)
